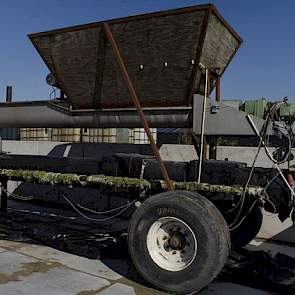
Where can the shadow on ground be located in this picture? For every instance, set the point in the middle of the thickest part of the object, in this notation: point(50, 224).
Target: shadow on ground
point(62, 230)
point(65, 231)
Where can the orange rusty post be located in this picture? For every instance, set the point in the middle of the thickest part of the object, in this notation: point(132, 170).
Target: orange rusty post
point(137, 105)
point(218, 89)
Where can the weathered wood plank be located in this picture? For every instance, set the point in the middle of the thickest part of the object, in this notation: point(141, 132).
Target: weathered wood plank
point(219, 46)
point(72, 57)
point(151, 43)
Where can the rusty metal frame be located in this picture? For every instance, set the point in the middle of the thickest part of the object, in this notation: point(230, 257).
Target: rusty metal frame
point(100, 65)
point(138, 17)
point(136, 101)
point(218, 89)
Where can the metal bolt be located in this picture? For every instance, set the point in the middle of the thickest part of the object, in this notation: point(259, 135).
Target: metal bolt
point(141, 67)
point(202, 67)
point(166, 247)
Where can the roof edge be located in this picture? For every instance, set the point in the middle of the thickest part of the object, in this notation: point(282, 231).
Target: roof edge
point(174, 11)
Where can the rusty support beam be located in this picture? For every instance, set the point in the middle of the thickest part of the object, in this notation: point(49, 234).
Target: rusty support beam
point(8, 93)
point(217, 89)
point(62, 95)
point(137, 105)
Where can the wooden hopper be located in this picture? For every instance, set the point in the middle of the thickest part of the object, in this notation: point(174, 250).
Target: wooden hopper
point(162, 52)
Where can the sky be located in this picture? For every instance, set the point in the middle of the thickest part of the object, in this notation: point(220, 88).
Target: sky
point(263, 67)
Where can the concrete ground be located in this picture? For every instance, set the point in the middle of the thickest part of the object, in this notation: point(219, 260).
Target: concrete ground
point(27, 269)
point(31, 269)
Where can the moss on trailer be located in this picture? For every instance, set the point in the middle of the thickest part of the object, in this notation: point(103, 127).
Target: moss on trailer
point(123, 185)
point(109, 183)
point(124, 182)
point(217, 188)
point(42, 177)
point(211, 190)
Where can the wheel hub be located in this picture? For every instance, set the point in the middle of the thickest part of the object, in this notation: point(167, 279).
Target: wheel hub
point(171, 243)
point(177, 241)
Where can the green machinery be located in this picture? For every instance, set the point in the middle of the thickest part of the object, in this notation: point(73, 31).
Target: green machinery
point(259, 107)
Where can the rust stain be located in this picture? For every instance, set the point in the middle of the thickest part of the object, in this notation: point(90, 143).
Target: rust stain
point(12, 246)
point(27, 270)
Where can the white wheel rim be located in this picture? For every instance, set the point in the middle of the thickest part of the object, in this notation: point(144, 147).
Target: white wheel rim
point(171, 244)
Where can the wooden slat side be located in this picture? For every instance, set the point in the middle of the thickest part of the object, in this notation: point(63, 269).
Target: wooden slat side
point(219, 47)
point(84, 65)
point(72, 57)
point(151, 44)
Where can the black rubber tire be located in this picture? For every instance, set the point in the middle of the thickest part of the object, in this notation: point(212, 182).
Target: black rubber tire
point(248, 230)
point(206, 222)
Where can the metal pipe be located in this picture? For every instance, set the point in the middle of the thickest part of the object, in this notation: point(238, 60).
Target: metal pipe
point(8, 93)
point(62, 95)
point(46, 115)
point(203, 126)
point(137, 105)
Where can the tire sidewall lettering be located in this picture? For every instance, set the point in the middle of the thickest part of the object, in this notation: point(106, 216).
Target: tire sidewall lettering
point(164, 211)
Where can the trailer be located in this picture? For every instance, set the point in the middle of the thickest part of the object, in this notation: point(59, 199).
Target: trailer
point(152, 70)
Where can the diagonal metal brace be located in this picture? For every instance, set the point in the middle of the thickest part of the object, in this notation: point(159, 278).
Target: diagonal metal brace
point(137, 105)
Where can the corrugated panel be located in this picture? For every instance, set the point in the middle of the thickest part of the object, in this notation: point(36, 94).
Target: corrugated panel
point(256, 107)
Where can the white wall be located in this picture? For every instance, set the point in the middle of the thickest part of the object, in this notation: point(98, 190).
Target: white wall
point(29, 147)
point(246, 155)
point(273, 228)
point(178, 153)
